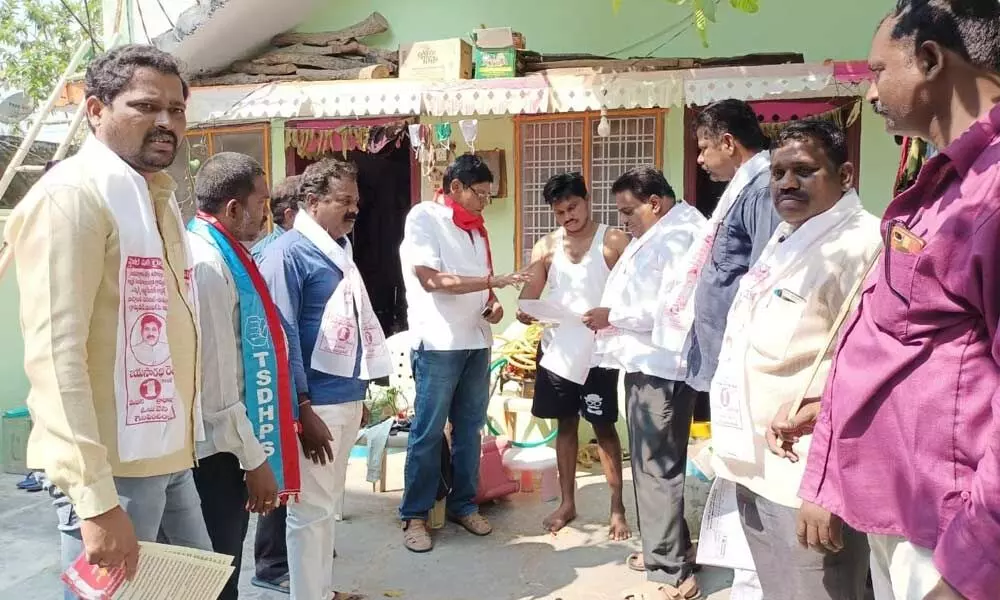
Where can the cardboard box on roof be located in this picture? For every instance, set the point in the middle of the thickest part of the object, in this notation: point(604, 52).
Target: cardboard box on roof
point(496, 52)
point(443, 60)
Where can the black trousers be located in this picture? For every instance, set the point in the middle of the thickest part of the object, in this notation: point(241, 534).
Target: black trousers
point(222, 486)
point(269, 549)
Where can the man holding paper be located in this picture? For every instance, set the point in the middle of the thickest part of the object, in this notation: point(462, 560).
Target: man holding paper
point(574, 262)
point(100, 253)
point(448, 272)
point(695, 301)
point(336, 347)
point(775, 349)
point(658, 402)
point(248, 402)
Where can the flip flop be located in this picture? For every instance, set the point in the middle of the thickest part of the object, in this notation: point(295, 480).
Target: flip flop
point(635, 561)
point(280, 585)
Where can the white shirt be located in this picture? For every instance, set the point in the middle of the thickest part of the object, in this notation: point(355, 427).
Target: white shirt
point(787, 328)
point(632, 295)
point(227, 426)
point(438, 320)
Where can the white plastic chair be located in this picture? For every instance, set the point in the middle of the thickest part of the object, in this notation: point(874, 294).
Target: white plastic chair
point(401, 378)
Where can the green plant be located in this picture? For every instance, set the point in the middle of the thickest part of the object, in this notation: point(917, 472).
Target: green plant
point(38, 37)
point(703, 12)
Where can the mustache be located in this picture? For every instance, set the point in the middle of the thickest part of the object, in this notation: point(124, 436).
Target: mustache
point(351, 216)
point(161, 135)
point(879, 108)
point(793, 195)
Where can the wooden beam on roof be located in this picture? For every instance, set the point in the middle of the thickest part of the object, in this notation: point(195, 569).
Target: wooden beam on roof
point(372, 25)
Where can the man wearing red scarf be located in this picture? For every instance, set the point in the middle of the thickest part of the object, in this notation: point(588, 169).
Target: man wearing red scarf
point(448, 272)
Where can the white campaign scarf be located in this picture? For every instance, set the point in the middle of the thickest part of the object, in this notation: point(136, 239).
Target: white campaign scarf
point(732, 421)
point(336, 349)
point(151, 419)
point(608, 343)
point(673, 320)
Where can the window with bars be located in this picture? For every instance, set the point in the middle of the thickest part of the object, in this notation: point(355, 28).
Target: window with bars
point(549, 145)
point(200, 144)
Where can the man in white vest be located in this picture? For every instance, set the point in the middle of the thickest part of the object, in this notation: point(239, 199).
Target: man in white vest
point(336, 347)
point(775, 350)
point(573, 264)
point(659, 404)
point(102, 264)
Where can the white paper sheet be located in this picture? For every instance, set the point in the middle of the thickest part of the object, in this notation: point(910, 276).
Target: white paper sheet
point(547, 312)
point(571, 348)
point(721, 542)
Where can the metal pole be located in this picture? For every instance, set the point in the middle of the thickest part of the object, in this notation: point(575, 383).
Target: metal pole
point(32, 135)
point(81, 112)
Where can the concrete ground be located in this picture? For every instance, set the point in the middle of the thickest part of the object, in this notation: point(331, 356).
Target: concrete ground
point(518, 562)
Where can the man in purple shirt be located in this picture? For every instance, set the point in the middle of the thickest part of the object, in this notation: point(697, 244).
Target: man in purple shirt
point(907, 442)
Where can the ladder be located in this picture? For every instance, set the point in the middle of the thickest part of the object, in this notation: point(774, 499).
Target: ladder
point(17, 165)
point(17, 161)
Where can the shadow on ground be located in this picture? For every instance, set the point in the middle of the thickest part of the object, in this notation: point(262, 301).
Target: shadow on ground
point(518, 562)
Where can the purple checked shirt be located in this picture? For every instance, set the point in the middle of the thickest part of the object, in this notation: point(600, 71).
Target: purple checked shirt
point(908, 439)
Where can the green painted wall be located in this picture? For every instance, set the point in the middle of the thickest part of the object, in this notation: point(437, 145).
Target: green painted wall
point(13, 382)
point(640, 28)
point(591, 26)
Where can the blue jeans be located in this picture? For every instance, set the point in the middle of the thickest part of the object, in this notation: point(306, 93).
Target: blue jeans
point(450, 385)
point(164, 508)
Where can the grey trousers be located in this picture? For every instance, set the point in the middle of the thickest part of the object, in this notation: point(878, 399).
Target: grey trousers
point(163, 508)
point(659, 412)
point(786, 570)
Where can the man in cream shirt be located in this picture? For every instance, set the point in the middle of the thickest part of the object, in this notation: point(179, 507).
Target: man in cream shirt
point(659, 405)
point(115, 436)
point(778, 326)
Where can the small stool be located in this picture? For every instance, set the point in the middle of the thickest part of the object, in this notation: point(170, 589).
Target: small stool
point(524, 463)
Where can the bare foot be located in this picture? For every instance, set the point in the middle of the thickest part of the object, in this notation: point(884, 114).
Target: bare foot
point(619, 531)
point(562, 517)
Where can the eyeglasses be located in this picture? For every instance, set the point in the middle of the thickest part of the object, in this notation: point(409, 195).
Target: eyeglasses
point(484, 196)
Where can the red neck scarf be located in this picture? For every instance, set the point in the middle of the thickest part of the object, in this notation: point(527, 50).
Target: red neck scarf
point(468, 221)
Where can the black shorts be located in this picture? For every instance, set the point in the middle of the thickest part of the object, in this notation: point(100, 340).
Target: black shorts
point(559, 398)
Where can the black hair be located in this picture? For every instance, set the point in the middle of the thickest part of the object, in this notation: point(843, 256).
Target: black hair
point(563, 186)
point(970, 28)
point(110, 73)
point(644, 182)
point(316, 178)
point(225, 176)
point(825, 133)
point(284, 196)
point(734, 117)
point(469, 169)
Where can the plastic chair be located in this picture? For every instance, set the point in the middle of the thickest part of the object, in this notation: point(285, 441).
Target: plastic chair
point(401, 378)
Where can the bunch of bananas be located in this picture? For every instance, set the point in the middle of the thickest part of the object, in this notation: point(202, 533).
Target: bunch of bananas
point(520, 353)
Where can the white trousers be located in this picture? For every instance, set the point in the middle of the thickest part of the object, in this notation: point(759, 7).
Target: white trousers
point(900, 570)
point(310, 523)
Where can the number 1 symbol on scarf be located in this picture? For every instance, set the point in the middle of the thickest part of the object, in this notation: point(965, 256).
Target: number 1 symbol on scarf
point(150, 389)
